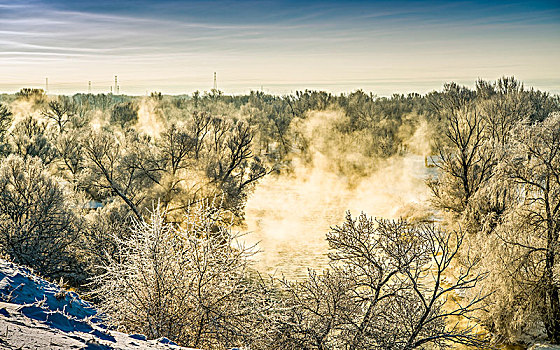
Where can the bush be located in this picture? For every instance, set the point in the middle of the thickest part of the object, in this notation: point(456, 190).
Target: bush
point(188, 283)
point(37, 228)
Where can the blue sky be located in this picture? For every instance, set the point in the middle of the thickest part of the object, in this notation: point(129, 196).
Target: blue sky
point(175, 46)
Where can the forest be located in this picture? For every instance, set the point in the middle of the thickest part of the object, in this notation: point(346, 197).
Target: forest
point(135, 202)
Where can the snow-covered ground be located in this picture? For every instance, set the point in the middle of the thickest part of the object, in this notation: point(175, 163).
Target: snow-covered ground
point(36, 314)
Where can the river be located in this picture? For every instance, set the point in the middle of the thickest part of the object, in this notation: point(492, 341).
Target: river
point(289, 215)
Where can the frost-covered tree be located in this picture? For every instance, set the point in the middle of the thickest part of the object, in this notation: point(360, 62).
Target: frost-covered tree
point(30, 138)
point(498, 177)
point(60, 111)
point(504, 107)
point(465, 158)
point(5, 122)
point(187, 283)
point(106, 226)
point(37, 226)
point(176, 145)
point(124, 114)
point(394, 285)
point(522, 241)
point(231, 165)
point(119, 165)
point(409, 278)
point(314, 311)
point(69, 147)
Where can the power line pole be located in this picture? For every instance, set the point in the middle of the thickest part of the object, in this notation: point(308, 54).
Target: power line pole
point(215, 82)
point(116, 90)
point(89, 87)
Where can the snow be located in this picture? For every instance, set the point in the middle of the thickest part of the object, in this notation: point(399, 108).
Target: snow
point(37, 314)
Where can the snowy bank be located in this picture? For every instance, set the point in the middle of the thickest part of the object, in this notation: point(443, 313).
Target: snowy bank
point(36, 314)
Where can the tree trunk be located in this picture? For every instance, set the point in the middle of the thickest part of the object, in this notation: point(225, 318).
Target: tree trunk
point(552, 321)
point(552, 300)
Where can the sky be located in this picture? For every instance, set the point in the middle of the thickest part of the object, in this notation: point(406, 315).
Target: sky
point(278, 46)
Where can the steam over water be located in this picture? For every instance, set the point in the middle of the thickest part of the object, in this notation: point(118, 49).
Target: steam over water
point(289, 215)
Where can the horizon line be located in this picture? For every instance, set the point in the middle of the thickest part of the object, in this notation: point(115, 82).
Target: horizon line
point(377, 87)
